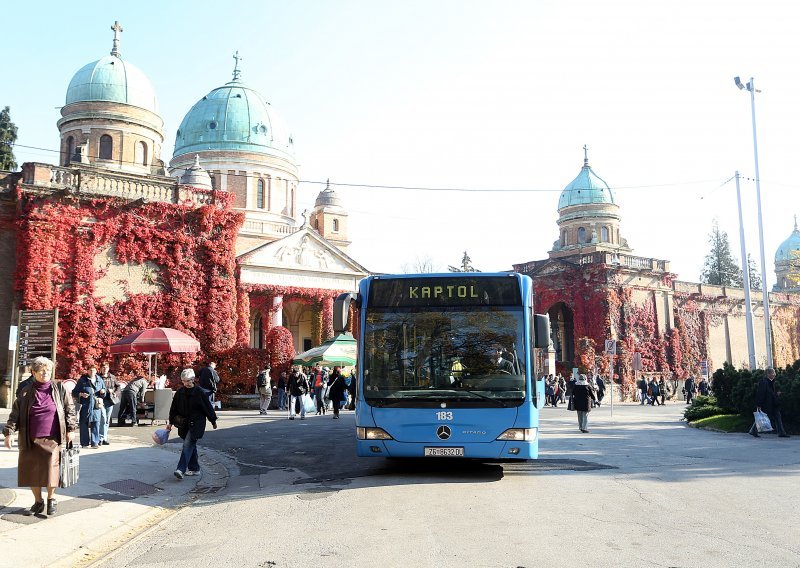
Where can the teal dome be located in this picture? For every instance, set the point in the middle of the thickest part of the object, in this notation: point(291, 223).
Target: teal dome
point(585, 189)
point(789, 246)
point(233, 117)
point(114, 80)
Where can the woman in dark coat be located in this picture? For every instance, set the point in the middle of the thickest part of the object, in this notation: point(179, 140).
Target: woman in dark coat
point(582, 398)
point(89, 388)
point(189, 411)
point(336, 388)
point(44, 416)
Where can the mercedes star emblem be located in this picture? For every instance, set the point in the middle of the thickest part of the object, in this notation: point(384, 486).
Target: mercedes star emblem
point(443, 432)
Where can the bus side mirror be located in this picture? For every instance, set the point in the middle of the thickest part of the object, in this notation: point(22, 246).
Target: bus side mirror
point(541, 331)
point(341, 311)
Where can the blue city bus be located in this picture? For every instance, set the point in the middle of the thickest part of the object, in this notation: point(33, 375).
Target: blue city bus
point(447, 366)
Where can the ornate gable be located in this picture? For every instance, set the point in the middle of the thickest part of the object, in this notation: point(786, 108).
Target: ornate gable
point(302, 259)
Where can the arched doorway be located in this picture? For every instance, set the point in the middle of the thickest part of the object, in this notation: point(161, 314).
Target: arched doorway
point(562, 328)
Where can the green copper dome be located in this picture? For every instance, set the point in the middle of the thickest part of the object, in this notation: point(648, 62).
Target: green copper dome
point(789, 246)
point(587, 188)
point(234, 117)
point(114, 80)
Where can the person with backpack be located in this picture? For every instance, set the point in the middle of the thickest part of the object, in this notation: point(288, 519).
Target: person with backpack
point(320, 379)
point(297, 387)
point(264, 387)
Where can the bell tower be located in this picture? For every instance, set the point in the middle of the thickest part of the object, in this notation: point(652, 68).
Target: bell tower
point(329, 218)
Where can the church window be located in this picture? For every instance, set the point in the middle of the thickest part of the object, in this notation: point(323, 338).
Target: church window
point(70, 150)
point(212, 125)
point(316, 223)
point(269, 193)
point(581, 235)
point(140, 153)
point(564, 238)
point(604, 234)
point(336, 225)
point(260, 194)
point(106, 147)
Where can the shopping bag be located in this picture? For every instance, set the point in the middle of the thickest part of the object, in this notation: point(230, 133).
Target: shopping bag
point(571, 404)
point(308, 403)
point(68, 466)
point(160, 436)
point(762, 421)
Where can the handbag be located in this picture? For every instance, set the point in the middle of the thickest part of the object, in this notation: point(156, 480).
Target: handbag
point(68, 465)
point(98, 403)
point(571, 404)
point(762, 421)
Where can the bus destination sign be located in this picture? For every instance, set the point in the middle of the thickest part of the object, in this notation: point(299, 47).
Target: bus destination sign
point(445, 291)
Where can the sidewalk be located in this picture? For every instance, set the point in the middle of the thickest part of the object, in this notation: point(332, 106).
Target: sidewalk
point(124, 488)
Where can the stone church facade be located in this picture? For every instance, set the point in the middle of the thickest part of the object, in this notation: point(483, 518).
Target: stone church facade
point(594, 288)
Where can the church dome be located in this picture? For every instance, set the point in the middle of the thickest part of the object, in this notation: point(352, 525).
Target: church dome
point(327, 198)
point(234, 117)
point(114, 80)
point(196, 176)
point(789, 246)
point(586, 188)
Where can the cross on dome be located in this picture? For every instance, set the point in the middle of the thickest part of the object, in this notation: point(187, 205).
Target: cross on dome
point(117, 29)
point(237, 73)
point(585, 156)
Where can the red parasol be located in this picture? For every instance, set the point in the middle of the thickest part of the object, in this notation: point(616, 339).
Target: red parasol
point(156, 340)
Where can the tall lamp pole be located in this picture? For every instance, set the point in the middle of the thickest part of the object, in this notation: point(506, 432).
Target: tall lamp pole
point(750, 86)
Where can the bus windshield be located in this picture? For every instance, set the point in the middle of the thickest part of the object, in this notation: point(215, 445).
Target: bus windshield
point(429, 355)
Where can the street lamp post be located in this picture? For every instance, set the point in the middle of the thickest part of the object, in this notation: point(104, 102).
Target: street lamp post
point(750, 86)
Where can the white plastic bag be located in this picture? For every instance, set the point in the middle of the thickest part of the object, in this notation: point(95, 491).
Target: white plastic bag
point(762, 421)
point(308, 403)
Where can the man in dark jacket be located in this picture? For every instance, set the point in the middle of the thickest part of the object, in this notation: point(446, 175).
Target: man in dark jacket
point(209, 379)
point(189, 410)
point(767, 402)
point(297, 387)
point(601, 389)
point(689, 388)
point(336, 388)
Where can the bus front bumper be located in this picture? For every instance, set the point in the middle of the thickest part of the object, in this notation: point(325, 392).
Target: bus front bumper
point(497, 449)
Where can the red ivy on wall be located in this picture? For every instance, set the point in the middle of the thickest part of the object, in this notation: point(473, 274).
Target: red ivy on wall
point(58, 241)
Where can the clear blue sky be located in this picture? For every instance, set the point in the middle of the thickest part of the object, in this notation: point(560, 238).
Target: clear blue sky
point(474, 95)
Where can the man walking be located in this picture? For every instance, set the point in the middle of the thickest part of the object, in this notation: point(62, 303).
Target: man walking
point(282, 391)
point(767, 402)
point(298, 386)
point(643, 390)
point(689, 388)
point(264, 386)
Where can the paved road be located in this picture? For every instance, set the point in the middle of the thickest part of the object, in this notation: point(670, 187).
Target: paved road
point(641, 489)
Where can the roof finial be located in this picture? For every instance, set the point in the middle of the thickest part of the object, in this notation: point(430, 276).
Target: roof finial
point(585, 156)
point(237, 73)
point(328, 186)
point(795, 221)
point(116, 28)
point(197, 160)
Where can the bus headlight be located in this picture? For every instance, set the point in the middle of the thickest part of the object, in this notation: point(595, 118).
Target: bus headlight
point(372, 434)
point(519, 434)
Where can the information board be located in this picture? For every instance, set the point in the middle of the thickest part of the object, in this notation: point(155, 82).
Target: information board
point(37, 331)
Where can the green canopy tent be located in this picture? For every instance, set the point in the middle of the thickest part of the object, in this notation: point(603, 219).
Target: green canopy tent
point(339, 350)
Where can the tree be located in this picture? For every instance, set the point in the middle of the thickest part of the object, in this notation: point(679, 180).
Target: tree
point(420, 265)
point(466, 265)
point(752, 271)
point(721, 267)
point(8, 135)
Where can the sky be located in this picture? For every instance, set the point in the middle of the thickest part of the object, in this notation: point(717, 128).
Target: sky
point(492, 99)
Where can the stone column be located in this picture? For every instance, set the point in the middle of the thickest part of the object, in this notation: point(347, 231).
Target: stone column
point(277, 311)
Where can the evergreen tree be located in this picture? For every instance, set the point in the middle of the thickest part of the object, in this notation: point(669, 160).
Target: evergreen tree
point(755, 277)
point(466, 265)
point(8, 135)
point(721, 267)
